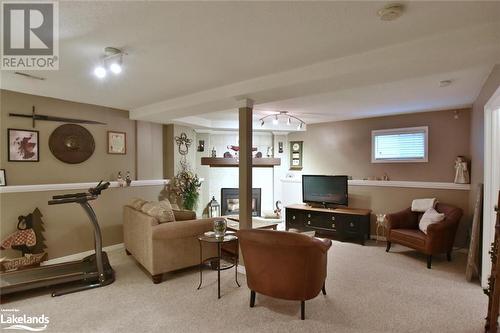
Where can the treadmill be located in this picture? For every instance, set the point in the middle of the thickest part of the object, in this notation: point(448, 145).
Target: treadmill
point(92, 271)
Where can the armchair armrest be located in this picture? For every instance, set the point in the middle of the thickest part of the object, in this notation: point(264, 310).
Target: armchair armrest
point(441, 235)
point(324, 244)
point(403, 219)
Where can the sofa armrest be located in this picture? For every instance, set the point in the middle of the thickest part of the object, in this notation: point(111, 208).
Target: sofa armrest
point(182, 229)
point(403, 219)
point(184, 215)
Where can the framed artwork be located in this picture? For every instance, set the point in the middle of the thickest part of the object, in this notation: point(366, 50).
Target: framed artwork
point(117, 142)
point(23, 145)
point(3, 178)
point(296, 155)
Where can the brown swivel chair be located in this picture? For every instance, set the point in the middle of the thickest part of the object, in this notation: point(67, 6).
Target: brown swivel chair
point(402, 228)
point(284, 265)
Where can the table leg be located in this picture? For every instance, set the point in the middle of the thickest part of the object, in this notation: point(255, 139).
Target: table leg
point(218, 269)
point(201, 265)
point(236, 264)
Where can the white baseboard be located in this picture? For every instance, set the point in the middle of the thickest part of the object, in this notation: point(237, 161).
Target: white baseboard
point(78, 256)
point(241, 270)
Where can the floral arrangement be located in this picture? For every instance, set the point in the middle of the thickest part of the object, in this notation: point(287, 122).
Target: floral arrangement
point(186, 185)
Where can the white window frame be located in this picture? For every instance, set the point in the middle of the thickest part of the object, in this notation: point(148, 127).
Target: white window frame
point(425, 129)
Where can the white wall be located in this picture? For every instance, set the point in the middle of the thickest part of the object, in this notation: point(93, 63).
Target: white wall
point(217, 178)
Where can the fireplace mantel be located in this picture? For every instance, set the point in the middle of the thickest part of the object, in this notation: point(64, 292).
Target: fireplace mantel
point(233, 162)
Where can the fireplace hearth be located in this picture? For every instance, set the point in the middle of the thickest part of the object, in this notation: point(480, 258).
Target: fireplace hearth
point(230, 204)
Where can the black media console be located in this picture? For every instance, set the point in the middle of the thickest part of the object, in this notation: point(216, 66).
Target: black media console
point(338, 223)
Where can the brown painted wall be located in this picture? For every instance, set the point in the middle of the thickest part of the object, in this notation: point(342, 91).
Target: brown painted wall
point(477, 131)
point(100, 165)
point(67, 229)
point(345, 148)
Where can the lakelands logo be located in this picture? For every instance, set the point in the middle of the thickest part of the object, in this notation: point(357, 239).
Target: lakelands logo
point(30, 36)
point(12, 319)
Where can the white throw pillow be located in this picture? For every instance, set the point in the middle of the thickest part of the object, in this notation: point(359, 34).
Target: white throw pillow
point(422, 205)
point(430, 216)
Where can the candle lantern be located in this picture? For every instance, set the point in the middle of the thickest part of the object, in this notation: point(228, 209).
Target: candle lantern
point(213, 208)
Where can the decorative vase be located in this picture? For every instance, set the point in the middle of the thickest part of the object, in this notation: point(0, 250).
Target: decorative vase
point(220, 227)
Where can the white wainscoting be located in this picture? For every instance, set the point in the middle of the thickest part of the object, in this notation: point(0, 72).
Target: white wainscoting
point(76, 186)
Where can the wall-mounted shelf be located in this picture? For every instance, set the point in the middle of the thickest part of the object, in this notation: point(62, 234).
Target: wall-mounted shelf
point(396, 183)
point(75, 186)
point(233, 162)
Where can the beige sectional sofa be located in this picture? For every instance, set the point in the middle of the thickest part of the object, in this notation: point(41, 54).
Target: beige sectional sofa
point(165, 247)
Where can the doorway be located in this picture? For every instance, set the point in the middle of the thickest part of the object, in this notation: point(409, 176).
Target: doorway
point(491, 178)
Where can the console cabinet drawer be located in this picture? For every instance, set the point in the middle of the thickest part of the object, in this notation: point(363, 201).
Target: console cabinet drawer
point(331, 224)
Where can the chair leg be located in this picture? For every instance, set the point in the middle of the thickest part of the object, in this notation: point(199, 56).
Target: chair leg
point(429, 261)
point(302, 310)
point(388, 246)
point(157, 278)
point(448, 255)
point(323, 289)
point(252, 298)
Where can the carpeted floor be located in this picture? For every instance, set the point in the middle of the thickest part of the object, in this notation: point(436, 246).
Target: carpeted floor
point(368, 291)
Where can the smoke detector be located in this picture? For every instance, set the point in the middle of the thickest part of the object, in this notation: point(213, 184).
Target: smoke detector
point(391, 12)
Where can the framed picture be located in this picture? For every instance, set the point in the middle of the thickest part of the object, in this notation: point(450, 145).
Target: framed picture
point(117, 142)
point(296, 155)
point(23, 145)
point(3, 178)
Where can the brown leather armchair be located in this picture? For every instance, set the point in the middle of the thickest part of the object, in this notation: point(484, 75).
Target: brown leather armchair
point(402, 228)
point(284, 265)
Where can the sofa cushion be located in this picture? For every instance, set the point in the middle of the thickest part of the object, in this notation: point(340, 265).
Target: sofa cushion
point(409, 237)
point(137, 203)
point(162, 211)
point(430, 216)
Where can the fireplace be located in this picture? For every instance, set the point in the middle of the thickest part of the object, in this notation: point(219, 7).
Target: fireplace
point(230, 204)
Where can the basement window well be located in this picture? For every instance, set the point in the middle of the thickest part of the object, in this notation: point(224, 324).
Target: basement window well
point(400, 145)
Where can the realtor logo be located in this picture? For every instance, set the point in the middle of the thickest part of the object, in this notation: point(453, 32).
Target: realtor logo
point(30, 36)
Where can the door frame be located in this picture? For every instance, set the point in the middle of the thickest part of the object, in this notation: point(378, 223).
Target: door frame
point(491, 178)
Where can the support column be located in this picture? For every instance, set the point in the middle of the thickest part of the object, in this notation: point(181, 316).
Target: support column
point(245, 164)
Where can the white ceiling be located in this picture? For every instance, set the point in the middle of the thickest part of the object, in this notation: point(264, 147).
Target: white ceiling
point(322, 60)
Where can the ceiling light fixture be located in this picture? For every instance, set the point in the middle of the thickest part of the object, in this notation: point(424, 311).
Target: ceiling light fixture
point(289, 117)
point(113, 60)
point(391, 11)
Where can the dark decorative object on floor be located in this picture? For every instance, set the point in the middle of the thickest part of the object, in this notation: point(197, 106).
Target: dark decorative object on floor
point(493, 290)
point(23, 145)
point(35, 117)
point(71, 143)
point(28, 239)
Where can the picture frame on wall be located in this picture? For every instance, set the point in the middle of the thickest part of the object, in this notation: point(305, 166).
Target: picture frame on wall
point(23, 145)
point(117, 142)
point(3, 178)
point(296, 155)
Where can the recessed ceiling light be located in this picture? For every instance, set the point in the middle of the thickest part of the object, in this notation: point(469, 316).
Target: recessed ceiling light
point(391, 12)
point(444, 83)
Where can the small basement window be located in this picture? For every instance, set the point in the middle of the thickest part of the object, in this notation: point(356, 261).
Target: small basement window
point(400, 145)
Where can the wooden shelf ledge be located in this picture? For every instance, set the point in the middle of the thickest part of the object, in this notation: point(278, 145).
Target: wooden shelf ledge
point(233, 162)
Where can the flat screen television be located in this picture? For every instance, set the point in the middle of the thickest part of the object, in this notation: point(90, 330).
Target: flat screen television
point(325, 190)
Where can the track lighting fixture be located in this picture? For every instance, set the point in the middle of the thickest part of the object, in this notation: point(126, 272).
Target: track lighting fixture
point(276, 116)
point(112, 60)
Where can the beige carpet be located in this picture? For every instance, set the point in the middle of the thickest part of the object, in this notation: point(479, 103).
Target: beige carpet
point(368, 291)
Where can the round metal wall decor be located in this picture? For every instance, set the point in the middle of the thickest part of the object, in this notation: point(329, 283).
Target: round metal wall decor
point(71, 143)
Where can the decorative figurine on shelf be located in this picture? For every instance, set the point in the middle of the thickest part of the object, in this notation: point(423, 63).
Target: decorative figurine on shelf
point(386, 177)
point(228, 155)
point(213, 208)
point(29, 240)
point(120, 180)
point(214, 152)
point(461, 171)
point(269, 151)
point(258, 155)
point(128, 180)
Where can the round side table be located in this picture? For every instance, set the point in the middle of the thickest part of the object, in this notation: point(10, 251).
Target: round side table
point(228, 237)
